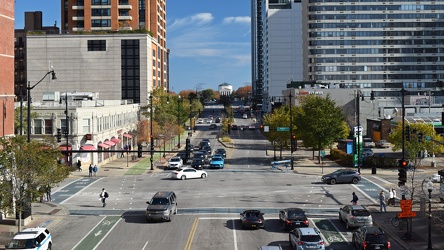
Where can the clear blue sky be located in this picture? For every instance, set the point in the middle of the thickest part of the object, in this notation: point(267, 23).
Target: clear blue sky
point(209, 40)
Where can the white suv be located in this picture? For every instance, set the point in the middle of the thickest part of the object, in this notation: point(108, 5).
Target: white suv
point(31, 238)
point(175, 162)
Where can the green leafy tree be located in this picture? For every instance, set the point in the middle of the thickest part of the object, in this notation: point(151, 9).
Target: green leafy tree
point(279, 118)
point(34, 115)
point(319, 122)
point(207, 94)
point(27, 170)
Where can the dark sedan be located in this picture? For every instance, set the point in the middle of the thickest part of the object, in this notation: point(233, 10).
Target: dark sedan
point(198, 164)
point(252, 219)
point(291, 218)
point(221, 151)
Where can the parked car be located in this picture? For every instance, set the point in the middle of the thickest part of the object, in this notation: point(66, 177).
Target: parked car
point(370, 237)
point(366, 152)
point(188, 173)
point(355, 216)
point(162, 206)
point(436, 178)
point(175, 162)
point(213, 126)
point(217, 120)
point(306, 238)
point(221, 151)
point(200, 121)
point(217, 162)
point(290, 218)
point(252, 219)
point(31, 238)
point(342, 176)
point(382, 144)
point(233, 127)
point(251, 127)
point(198, 164)
point(368, 143)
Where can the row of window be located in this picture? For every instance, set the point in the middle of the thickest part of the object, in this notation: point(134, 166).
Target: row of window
point(379, 68)
point(354, 25)
point(344, 42)
point(101, 23)
point(376, 51)
point(360, 16)
point(405, 33)
point(368, 59)
point(343, 77)
point(100, 2)
point(392, 7)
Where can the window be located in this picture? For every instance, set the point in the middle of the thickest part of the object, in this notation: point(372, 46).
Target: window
point(48, 127)
point(38, 127)
point(85, 125)
point(96, 45)
point(64, 126)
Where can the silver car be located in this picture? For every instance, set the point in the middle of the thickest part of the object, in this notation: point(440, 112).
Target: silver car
point(306, 238)
point(355, 216)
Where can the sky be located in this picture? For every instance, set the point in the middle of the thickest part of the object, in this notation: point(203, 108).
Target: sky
point(209, 40)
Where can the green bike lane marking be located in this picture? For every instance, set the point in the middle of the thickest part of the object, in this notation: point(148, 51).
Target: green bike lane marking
point(98, 233)
point(330, 232)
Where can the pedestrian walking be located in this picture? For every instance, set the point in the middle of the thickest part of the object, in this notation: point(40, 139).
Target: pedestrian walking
point(382, 205)
point(48, 193)
point(355, 199)
point(103, 195)
point(90, 170)
point(79, 165)
point(122, 153)
point(391, 199)
point(394, 197)
point(95, 169)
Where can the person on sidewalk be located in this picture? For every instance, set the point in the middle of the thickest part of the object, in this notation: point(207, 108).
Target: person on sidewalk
point(90, 170)
point(355, 199)
point(382, 205)
point(394, 197)
point(391, 200)
point(103, 195)
point(95, 169)
point(48, 193)
point(79, 165)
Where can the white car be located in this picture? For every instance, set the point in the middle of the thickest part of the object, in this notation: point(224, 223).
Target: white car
point(200, 121)
point(436, 178)
point(188, 173)
point(175, 162)
point(31, 238)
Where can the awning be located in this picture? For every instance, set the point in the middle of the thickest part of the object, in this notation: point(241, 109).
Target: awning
point(103, 145)
point(128, 135)
point(63, 147)
point(88, 147)
point(111, 143)
point(114, 139)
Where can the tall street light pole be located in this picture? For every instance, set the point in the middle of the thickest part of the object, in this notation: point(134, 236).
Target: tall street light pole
point(429, 241)
point(291, 130)
point(178, 119)
point(29, 88)
point(151, 132)
point(191, 128)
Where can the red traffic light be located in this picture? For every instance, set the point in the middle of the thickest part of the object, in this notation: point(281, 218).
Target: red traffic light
point(294, 137)
point(403, 163)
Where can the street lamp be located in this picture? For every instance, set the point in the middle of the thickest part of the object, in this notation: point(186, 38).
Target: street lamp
point(178, 119)
point(291, 131)
point(29, 88)
point(430, 188)
point(191, 127)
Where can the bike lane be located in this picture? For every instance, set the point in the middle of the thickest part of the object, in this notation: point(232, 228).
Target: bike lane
point(98, 233)
point(66, 192)
point(331, 234)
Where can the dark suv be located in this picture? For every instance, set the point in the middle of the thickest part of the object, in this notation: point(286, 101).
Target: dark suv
point(291, 218)
point(342, 176)
point(370, 237)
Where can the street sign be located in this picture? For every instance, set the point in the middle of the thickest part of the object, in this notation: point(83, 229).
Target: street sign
point(282, 129)
point(406, 214)
point(266, 129)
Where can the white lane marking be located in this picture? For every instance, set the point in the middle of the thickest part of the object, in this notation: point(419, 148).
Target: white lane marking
point(234, 235)
point(86, 235)
point(382, 180)
point(364, 193)
point(109, 231)
point(144, 246)
point(67, 199)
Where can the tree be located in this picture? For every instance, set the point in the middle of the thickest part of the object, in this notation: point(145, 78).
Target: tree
point(243, 92)
point(34, 115)
point(319, 122)
point(207, 94)
point(27, 170)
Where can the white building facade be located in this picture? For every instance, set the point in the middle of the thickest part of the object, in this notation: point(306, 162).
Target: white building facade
point(225, 89)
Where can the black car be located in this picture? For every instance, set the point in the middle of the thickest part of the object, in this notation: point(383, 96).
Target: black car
point(221, 151)
point(202, 144)
point(233, 127)
point(199, 155)
point(198, 164)
point(291, 218)
point(342, 176)
point(370, 237)
point(213, 126)
point(190, 147)
point(252, 219)
point(208, 150)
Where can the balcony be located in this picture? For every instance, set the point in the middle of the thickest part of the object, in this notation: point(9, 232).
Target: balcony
point(78, 29)
point(78, 18)
point(124, 5)
point(78, 6)
point(125, 18)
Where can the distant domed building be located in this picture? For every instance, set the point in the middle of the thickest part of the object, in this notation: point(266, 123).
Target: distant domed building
point(225, 89)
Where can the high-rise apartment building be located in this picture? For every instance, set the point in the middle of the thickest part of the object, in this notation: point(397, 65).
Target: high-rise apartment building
point(117, 15)
point(277, 46)
point(350, 43)
point(7, 68)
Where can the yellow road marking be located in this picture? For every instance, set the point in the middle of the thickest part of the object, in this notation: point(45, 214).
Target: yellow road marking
point(191, 235)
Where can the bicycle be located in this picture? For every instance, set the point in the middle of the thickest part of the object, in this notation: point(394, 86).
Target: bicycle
point(399, 223)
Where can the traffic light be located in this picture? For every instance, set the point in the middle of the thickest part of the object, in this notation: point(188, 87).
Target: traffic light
point(229, 127)
point(187, 149)
point(407, 133)
point(294, 143)
point(402, 172)
point(261, 127)
point(59, 135)
point(139, 150)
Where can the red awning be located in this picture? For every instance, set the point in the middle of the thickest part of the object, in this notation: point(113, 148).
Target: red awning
point(103, 145)
point(63, 147)
point(88, 147)
point(114, 139)
point(128, 135)
point(109, 143)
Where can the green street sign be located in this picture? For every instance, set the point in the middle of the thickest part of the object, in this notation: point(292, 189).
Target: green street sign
point(283, 129)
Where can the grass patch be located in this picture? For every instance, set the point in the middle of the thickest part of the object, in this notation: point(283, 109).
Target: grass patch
point(226, 139)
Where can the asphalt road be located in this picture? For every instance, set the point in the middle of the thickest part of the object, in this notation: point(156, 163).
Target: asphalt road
point(208, 214)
